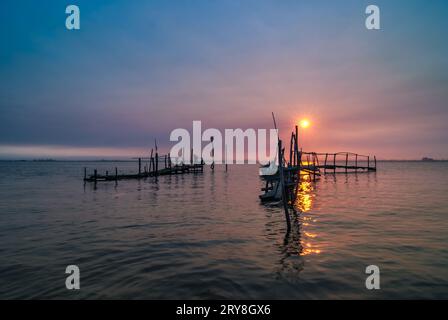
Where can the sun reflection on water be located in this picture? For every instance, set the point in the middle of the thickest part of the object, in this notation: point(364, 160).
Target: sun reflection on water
point(304, 204)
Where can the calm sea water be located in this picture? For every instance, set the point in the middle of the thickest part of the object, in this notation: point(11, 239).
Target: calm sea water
point(208, 236)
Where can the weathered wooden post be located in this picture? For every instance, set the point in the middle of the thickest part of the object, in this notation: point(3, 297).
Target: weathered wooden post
point(346, 162)
point(334, 162)
point(356, 162)
point(213, 154)
point(165, 162)
point(374, 158)
point(325, 163)
point(116, 173)
point(157, 163)
point(139, 166)
point(291, 146)
point(368, 163)
point(95, 175)
point(296, 147)
point(85, 173)
point(225, 156)
point(282, 185)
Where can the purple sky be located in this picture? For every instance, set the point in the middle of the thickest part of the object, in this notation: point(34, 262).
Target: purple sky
point(137, 70)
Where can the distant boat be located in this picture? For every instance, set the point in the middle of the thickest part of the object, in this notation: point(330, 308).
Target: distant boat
point(427, 159)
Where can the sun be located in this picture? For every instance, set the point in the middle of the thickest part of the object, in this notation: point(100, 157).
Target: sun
point(304, 123)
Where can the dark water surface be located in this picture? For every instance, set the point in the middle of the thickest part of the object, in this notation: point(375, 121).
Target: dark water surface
point(208, 236)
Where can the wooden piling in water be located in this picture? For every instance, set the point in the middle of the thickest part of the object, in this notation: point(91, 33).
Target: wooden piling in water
point(282, 185)
point(346, 163)
point(296, 145)
point(291, 153)
point(213, 154)
point(225, 156)
point(334, 163)
point(325, 163)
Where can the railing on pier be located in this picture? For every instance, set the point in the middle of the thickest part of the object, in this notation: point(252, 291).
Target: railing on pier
point(340, 161)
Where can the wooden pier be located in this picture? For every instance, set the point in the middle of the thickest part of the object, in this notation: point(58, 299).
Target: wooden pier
point(284, 184)
point(338, 162)
point(156, 166)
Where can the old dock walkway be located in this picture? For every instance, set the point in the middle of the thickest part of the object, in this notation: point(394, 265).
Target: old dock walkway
point(150, 170)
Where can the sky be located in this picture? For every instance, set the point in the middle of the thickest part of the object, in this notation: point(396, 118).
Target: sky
point(136, 70)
